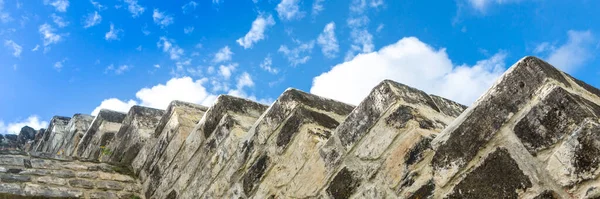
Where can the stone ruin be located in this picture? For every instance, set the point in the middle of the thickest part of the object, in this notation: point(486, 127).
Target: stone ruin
point(534, 134)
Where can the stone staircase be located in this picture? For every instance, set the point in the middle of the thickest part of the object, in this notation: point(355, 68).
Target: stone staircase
point(534, 134)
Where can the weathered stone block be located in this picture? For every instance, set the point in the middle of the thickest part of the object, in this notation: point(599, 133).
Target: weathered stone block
point(54, 135)
point(138, 126)
point(223, 126)
point(75, 130)
point(99, 135)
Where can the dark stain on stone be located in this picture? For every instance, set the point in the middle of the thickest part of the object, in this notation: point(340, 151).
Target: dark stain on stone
point(556, 116)
point(587, 155)
point(408, 180)
point(426, 124)
point(224, 104)
point(27, 163)
point(154, 180)
point(314, 101)
point(255, 174)
point(480, 126)
point(172, 195)
point(547, 194)
point(425, 191)
point(343, 185)
point(498, 177)
point(14, 170)
point(400, 117)
point(300, 117)
point(416, 152)
point(247, 148)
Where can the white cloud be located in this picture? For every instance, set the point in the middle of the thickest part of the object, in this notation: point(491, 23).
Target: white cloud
point(244, 81)
point(482, 5)
point(159, 96)
point(59, 21)
point(298, 55)
point(411, 62)
point(59, 65)
point(135, 9)
point(573, 54)
point(362, 39)
point(115, 105)
point(48, 34)
point(162, 19)
point(317, 7)
point(328, 42)
point(289, 10)
point(226, 70)
point(184, 89)
point(380, 28)
point(59, 5)
point(267, 65)
point(92, 19)
point(15, 127)
point(113, 33)
point(117, 70)
point(156, 66)
point(5, 17)
point(98, 5)
point(17, 49)
point(189, 7)
point(223, 55)
point(139, 48)
point(174, 51)
point(217, 1)
point(188, 30)
point(257, 32)
point(36, 48)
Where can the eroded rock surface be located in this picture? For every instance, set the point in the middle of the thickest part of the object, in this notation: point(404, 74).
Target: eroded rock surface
point(534, 134)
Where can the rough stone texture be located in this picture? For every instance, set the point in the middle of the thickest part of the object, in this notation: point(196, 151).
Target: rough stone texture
point(30, 177)
point(137, 127)
point(54, 134)
point(102, 131)
point(26, 135)
point(224, 125)
point(76, 128)
point(539, 123)
point(277, 147)
point(534, 134)
point(173, 128)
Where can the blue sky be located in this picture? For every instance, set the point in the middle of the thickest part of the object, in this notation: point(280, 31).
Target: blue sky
point(61, 57)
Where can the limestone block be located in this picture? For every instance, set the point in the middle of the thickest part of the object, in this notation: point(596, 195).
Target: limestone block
point(137, 127)
point(77, 126)
point(175, 125)
point(223, 126)
point(99, 135)
point(54, 135)
point(284, 137)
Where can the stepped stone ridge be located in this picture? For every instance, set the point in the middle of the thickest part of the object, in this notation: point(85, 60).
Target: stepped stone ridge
point(99, 135)
point(534, 134)
point(137, 128)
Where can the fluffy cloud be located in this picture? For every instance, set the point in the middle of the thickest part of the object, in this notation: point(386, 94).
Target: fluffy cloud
point(189, 7)
point(159, 96)
point(92, 19)
point(59, 5)
point(15, 127)
point(572, 54)
point(115, 105)
point(48, 34)
point(317, 7)
point(97, 5)
point(188, 30)
point(59, 21)
point(482, 5)
point(362, 39)
point(267, 65)
point(174, 51)
point(298, 55)
point(223, 55)
point(289, 10)
point(17, 49)
point(113, 33)
point(117, 70)
point(411, 62)
point(328, 42)
point(59, 65)
point(226, 70)
point(257, 32)
point(162, 19)
point(134, 8)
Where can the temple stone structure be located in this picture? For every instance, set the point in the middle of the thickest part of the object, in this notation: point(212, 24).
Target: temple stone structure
point(534, 134)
